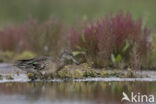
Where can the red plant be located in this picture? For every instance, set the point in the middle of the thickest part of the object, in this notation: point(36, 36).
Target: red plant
point(12, 39)
point(42, 38)
point(45, 38)
point(115, 35)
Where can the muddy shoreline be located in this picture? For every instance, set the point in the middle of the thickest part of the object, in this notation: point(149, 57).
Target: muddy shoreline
point(18, 75)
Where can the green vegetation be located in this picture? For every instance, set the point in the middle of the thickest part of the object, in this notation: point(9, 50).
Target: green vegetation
point(83, 71)
point(1, 77)
point(69, 11)
point(32, 76)
point(25, 55)
point(9, 56)
point(9, 77)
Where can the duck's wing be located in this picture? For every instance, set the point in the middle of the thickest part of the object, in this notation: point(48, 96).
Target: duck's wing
point(25, 64)
point(35, 63)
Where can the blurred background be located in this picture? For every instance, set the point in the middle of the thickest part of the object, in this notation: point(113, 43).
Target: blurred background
point(68, 11)
point(30, 28)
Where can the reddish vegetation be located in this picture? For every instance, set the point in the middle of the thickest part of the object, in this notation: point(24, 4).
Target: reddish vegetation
point(116, 36)
point(41, 38)
point(12, 38)
point(45, 38)
point(109, 36)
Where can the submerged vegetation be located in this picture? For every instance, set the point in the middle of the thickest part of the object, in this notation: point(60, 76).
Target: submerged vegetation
point(115, 42)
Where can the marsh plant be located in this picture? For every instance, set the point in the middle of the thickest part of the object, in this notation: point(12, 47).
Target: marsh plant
point(12, 38)
point(45, 38)
point(117, 40)
point(112, 41)
point(42, 38)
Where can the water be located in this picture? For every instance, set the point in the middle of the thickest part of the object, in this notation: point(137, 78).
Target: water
point(79, 91)
point(71, 92)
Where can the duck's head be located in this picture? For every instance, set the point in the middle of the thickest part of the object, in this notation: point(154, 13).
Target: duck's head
point(68, 58)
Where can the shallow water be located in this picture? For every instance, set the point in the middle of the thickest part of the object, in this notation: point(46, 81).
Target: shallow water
point(71, 92)
point(79, 91)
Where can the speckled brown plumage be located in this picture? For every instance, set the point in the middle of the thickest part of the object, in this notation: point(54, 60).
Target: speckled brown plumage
point(44, 64)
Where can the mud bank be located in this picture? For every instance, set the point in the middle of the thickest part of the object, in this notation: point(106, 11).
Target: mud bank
point(9, 73)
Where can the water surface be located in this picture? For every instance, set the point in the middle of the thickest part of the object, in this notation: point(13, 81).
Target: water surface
point(71, 92)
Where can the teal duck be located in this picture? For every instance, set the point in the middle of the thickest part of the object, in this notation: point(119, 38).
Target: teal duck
point(45, 64)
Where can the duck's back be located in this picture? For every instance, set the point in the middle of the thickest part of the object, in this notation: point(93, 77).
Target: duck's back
point(36, 64)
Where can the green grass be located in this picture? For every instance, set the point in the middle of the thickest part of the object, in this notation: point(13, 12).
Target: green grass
point(69, 11)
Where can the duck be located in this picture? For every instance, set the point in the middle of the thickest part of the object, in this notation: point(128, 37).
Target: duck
point(45, 64)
